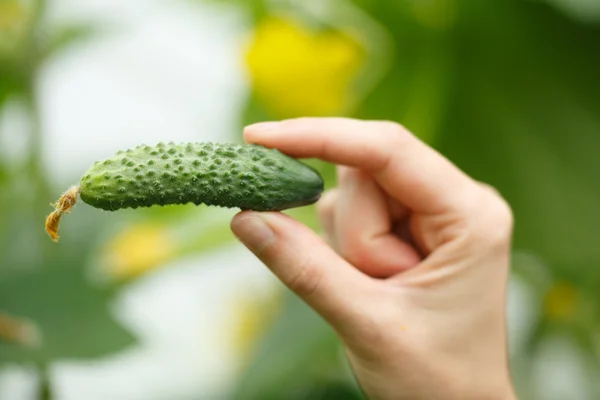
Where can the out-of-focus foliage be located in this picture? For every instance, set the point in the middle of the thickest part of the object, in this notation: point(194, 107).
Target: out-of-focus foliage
point(586, 11)
point(508, 90)
point(511, 93)
point(15, 18)
point(311, 355)
point(71, 316)
point(40, 284)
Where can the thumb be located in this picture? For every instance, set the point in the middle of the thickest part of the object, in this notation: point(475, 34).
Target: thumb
point(303, 262)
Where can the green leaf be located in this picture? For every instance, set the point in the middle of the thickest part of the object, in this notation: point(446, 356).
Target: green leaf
point(525, 117)
point(72, 317)
point(416, 90)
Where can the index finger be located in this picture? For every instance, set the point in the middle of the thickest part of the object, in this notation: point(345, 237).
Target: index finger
point(405, 167)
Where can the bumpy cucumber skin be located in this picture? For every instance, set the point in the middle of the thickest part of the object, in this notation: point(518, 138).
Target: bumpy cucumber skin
point(245, 176)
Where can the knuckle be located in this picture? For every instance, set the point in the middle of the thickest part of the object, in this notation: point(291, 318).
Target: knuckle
point(379, 326)
point(393, 131)
point(494, 220)
point(503, 212)
point(389, 136)
point(500, 211)
point(391, 127)
point(308, 278)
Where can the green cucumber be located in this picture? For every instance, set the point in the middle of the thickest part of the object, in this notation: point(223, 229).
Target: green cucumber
point(245, 176)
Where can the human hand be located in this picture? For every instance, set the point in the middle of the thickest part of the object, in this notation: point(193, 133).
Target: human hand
point(413, 273)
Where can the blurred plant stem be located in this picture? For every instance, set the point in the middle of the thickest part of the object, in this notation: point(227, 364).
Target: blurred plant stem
point(45, 386)
point(38, 183)
point(31, 102)
point(35, 169)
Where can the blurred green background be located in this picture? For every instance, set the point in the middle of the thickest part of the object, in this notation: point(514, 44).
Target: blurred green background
point(163, 303)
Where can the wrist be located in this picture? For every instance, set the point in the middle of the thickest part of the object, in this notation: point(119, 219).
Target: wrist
point(495, 385)
point(402, 381)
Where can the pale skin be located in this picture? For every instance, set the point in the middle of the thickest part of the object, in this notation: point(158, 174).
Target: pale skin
point(413, 269)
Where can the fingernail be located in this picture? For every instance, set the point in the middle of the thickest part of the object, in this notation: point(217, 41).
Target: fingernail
point(263, 127)
point(253, 232)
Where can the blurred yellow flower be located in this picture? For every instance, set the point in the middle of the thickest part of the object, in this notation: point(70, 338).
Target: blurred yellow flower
point(297, 72)
point(138, 249)
point(11, 14)
point(561, 301)
point(14, 18)
point(252, 315)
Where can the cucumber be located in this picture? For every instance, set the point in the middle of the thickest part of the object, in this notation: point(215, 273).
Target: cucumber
point(244, 176)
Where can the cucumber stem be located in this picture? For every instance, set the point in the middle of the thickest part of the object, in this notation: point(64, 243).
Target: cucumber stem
point(64, 205)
